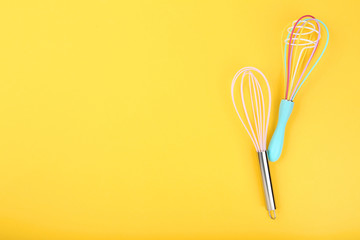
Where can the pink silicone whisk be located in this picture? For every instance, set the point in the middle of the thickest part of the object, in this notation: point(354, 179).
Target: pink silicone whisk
point(256, 124)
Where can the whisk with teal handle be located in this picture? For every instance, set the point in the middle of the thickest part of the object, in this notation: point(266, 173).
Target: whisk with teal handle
point(301, 45)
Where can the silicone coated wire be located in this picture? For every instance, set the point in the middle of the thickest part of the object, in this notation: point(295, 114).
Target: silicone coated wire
point(298, 37)
point(256, 116)
point(307, 44)
point(290, 95)
point(294, 67)
point(291, 46)
point(290, 51)
point(258, 137)
point(246, 114)
point(311, 56)
point(312, 68)
point(256, 93)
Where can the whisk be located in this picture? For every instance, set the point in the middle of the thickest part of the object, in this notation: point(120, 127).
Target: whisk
point(261, 122)
point(301, 46)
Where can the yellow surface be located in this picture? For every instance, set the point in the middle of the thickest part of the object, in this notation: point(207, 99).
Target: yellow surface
point(117, 122)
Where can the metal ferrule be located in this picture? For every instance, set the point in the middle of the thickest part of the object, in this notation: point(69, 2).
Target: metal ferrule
point(267, 185)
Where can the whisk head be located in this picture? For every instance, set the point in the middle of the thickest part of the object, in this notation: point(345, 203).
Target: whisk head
point(258, 118)
point(302, 51)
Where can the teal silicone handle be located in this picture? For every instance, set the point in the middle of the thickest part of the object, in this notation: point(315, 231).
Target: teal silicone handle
point(277, 140)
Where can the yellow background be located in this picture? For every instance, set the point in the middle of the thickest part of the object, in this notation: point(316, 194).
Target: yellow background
point(117, 122)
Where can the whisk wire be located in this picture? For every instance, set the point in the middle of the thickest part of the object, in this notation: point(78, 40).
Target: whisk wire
point(254, 97)
point(246, 113)
point(311, 56)
point(237, 112)
point(261, 122)
point(301, 36)
point(291, 47)
point(316, 62)
point(296, 42)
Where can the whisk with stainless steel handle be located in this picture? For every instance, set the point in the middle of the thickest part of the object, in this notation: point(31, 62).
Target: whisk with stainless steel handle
point(257, 120)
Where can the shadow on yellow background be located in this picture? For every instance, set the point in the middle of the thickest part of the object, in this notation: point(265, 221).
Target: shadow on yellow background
point(117, 122)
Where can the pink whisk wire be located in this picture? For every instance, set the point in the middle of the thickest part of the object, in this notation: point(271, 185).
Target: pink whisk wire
point(258, 137)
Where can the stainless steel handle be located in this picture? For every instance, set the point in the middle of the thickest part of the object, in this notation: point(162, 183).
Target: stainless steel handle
point(266, 180)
